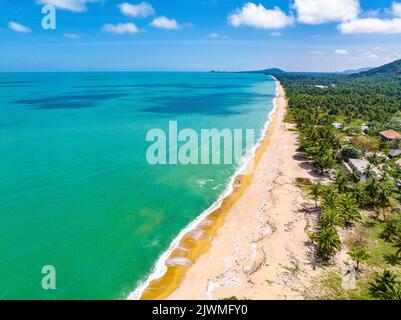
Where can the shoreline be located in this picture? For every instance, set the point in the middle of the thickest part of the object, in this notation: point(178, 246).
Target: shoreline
point(261, 251)
point(196, 239)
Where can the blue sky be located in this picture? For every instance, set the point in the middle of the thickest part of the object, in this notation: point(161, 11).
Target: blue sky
point(200, 35)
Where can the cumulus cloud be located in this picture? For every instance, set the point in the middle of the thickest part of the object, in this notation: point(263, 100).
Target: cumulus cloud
point(166, 23)
point(371, 25)
point(375, 24)
point(215, 35)
point(258, 16)
point(276, 34)
point(70, 5)
point(324, 11)
point(396, 9)
point(317, 52)
point(120, 28)
point(341, 52)
point(369, 55)
point(142, 9)
point(17, 27)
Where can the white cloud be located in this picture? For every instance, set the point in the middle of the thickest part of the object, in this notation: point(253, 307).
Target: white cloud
point(342, 52)
point(215, 35)
point(259, 17)
point(17, 27)
point(71, 35)
point(142, 9)
point(369, 55)
point(165, 23)
point(379, 49)
point(324, 11)
point(276, 34)
point(120, 28)
point(371, 25)
point(70, 5)
point(317, 52)
point(396, 9)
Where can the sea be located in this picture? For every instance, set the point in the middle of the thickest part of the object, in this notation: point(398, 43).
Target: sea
point(83, 214)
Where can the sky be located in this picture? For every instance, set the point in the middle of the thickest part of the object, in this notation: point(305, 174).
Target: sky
point(199, 35)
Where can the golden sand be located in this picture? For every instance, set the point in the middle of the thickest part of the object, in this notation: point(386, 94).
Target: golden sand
point(162, 288)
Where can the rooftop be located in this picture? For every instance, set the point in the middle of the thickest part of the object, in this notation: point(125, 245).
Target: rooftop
point(361, 165)
point(394, 153)
point(391, 134)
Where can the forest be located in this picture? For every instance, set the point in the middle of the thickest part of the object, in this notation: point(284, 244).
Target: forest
point(339, 118)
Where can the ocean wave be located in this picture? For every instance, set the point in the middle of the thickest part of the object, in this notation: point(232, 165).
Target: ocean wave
point(160, 268)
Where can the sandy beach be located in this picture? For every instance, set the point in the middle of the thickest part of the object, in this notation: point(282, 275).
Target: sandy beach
point(260, 251)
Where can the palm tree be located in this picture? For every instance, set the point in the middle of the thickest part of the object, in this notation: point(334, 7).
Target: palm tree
point(355, 175)
point(328, 242)
point(375, 159)
point(341, 181)
point(383, 284)
point(330, 218)
point(358, 255)
point(330, 198)
point(372, 188)
point(394, 292)
point(369, 172)
point(314, 192)
point(349, 210)
point(360, 195)
point(397, 245)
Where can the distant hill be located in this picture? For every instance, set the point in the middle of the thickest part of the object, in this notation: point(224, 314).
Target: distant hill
point(271, 71)
point(392, 69)
point(267, 71)
point(355, 71)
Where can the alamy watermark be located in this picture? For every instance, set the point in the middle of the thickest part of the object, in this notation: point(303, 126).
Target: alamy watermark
point(49, 20)
point(204, 147)
point(49, 277)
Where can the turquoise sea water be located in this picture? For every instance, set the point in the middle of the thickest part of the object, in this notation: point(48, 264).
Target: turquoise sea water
point(76, 191)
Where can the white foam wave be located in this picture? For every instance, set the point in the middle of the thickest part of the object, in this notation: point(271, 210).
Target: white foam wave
point(160, 268)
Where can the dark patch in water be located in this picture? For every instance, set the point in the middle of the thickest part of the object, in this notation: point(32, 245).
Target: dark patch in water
point(70, 101)
point(17, 82)
point(177, 85)
point(217, 104)
point(7, 124)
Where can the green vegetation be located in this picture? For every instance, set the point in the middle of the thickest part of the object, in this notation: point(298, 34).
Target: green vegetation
point(338, 118)
point(359, 255)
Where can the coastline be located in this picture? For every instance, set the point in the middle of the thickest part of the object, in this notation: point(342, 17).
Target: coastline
point(197, 237)
point(261, 251)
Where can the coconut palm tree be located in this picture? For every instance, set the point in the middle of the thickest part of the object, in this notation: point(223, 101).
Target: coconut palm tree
point(397, 245)
point(341, 181)
point(360, 195)
point(330, 198)
point(314, 192)
point(355, 175)
point(328, 242)
point(369, 172)
point(375, 159)
point(372, 188)
point(358, 255)
point(330, 218)
point(349, 210)
point(382, 284)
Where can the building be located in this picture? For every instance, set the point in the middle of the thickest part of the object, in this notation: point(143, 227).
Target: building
point(390, 135)
point(394, 153)
point(338, 125)
point(360, 166)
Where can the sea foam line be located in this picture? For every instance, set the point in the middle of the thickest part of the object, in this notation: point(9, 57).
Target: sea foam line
point(160, 268)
